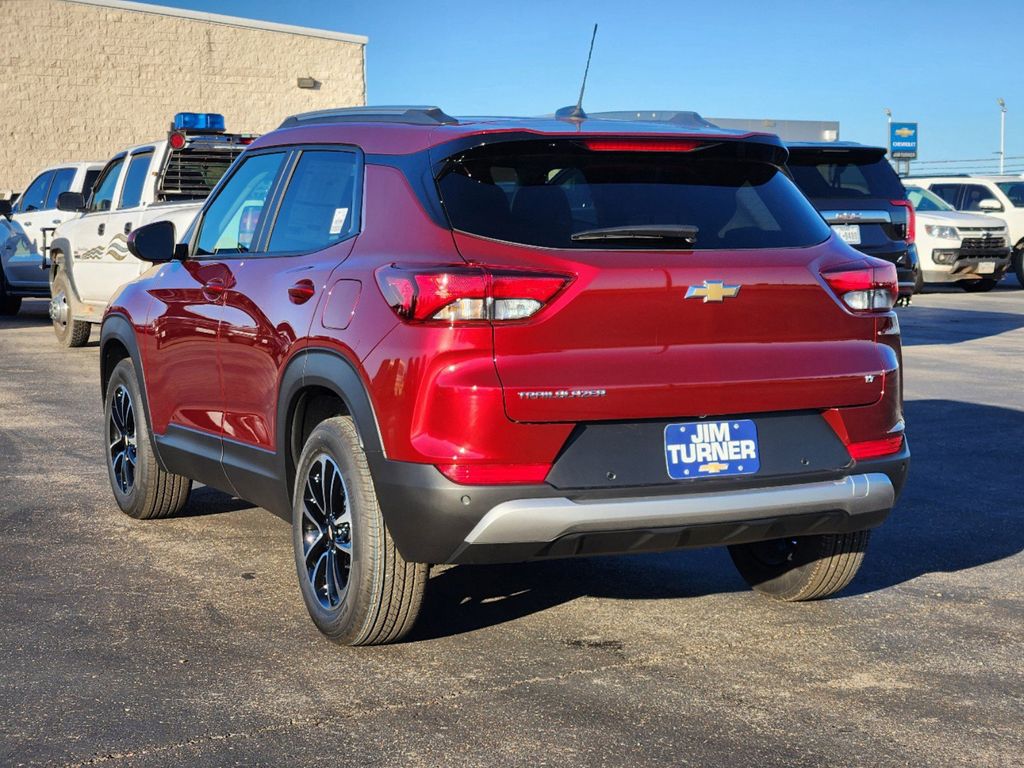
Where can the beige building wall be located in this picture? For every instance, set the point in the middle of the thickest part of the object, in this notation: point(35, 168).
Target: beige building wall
point(82, 79)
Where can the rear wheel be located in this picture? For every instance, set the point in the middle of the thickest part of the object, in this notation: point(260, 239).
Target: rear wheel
point(801, 568)
point(70, 332)
point(9, 305)
point(142, 488)
point(357, 587)
point(979, 286)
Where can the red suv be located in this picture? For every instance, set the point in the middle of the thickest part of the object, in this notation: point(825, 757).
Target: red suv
point(436, 340)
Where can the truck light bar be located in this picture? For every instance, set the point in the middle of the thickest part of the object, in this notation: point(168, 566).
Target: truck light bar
point(198, 121)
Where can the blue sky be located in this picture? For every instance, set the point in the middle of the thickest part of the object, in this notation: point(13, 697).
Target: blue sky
point(824, 60)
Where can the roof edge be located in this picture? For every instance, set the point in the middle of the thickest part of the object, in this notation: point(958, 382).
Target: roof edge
point(219, 18)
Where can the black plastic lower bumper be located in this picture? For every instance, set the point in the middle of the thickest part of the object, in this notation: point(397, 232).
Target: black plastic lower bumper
point(431, 517)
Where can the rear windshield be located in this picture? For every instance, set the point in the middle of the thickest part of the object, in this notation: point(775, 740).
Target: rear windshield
point(191, 173)
point(560, 194)
point(850, 175)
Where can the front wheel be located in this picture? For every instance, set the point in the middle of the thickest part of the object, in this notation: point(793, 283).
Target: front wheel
point(1017, 263)
point(9, 305)
point(142, 488)
point(803, 567)
point(70, 332)
point(357, 587)
point(979, 286)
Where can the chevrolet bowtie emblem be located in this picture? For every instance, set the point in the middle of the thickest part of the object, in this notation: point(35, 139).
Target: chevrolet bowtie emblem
point(712, 290)
point(904, 133)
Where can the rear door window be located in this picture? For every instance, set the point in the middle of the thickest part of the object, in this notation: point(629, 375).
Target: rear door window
point(319, 206)
point(135, 179)
point(563, 194)
point(1013, 190)
point(34, 198)
point(853, 175)
point(62, 180)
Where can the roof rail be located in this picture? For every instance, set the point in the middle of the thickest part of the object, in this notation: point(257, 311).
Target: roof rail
point(676, 117)
point(397, 114)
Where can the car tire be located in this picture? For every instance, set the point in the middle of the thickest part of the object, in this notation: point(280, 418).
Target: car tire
point(357, 587)
point(9, 305)
point(801, 568)
point(142, 488)
point(1017, 263)
point(70, 332)
point(978, 286)
point(918, 281)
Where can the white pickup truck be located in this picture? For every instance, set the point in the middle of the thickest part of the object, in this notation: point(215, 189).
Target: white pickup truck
point(164, 180)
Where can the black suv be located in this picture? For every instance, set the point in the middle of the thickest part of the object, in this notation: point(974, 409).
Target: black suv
point(861, 197)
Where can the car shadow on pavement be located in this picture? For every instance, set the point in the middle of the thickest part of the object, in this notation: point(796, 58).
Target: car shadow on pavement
point(204, 500)
point(937, 325)
point(961, 508)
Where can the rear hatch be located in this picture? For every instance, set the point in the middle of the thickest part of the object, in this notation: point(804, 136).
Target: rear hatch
point(694, 282)
point(858, 193)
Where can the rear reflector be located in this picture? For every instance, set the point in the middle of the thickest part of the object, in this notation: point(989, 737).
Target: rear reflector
point(642, 145)
point(865, 287)
point(455, 294)
point(871, 449)
point(495, 474)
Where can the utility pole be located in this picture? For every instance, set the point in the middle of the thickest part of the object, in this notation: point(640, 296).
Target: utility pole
point(1002, 134)
point(888, 136)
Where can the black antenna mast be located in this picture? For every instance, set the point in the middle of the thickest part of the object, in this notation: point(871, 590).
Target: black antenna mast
point(576, 112)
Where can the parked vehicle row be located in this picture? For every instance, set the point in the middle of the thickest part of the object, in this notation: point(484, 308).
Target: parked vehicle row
point(425, 339)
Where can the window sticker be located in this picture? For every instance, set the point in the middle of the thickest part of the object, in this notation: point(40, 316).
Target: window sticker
point(338, 222)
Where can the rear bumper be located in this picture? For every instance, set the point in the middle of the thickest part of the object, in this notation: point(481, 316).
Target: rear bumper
point(436, 521)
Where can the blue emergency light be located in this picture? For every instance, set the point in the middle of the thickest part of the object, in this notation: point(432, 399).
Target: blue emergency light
point(198, 121)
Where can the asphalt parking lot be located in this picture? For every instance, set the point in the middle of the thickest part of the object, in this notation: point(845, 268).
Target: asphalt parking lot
point(185, 642)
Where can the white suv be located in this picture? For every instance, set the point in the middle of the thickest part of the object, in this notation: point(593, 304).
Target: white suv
point(998, 196)
point(970, 250)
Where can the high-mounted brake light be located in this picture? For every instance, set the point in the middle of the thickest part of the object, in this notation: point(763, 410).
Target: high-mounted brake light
point(865, 287)
point(642, 145)
point(176, 140)
point(457, 294)
point(198, 121)
point(495, 474)
point(911, 234)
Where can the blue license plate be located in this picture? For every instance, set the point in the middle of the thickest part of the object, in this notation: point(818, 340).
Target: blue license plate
point(711, 449)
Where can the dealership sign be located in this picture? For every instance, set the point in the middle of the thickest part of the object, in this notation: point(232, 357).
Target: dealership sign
point(903, 141)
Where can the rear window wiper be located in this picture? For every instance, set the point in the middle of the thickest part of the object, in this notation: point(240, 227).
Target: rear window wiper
point(684, 232)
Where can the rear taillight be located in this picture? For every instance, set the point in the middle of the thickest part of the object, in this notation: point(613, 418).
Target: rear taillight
point(872, 449)
point(458, 294)
point(495, 474)
point(911, 219)
point(865, 287)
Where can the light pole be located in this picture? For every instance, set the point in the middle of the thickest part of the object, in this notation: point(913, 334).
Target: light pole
point(888, 133)
point(1002, 134)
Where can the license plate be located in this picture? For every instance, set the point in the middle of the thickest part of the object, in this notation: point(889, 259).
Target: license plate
point(711, 449)
point(848, 233)
point(986, 267)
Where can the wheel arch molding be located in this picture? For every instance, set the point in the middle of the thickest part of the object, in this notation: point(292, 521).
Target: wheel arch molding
point(321, 370)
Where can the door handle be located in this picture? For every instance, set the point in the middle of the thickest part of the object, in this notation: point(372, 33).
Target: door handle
point(26, 223)
point(214, 289)
point(101, 229)
point(127, 227)
point(301, 292)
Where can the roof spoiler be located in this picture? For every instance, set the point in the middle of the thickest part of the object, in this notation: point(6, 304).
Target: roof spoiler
point(684, 118)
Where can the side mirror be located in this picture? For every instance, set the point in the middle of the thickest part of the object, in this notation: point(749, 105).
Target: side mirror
point(6, 208)
point(989, 204)
point(70, 201)
point(153, 242)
